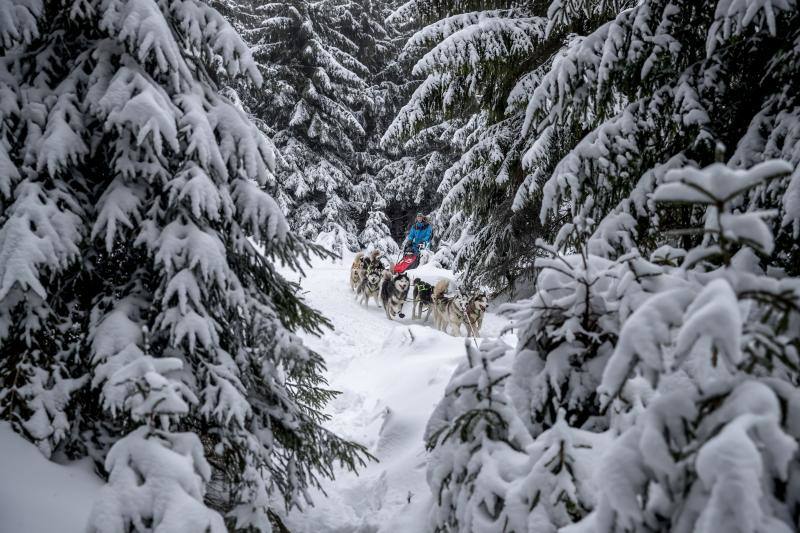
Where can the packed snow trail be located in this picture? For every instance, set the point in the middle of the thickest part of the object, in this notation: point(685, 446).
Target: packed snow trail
point(391, 375)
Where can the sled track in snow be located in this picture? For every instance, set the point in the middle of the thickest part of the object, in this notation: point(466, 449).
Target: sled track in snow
point(391, 374)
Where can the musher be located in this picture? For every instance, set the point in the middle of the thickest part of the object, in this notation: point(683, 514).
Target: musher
point(418, 238)
point(420, 234)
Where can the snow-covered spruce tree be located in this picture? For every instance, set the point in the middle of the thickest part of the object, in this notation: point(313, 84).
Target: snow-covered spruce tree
point(704, 332)
point(486, 471)
point(681, 372)
point(310, 105)
point(474, 436)
point(660, 85)
point(555, 488)
point(139, 324)
point(566, 332)
point(411, 179)
point(376, 234)
point(414, 166)
point(330, 182)
point(716, 448)
point(378, 45)
point(479, 61)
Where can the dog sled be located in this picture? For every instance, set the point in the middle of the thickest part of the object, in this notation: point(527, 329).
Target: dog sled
point(409, 260)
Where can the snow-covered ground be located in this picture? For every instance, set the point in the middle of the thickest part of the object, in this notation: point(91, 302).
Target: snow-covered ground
point(40, 496)
point(391, 375)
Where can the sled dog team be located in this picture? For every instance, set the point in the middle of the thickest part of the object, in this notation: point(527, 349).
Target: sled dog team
point(370, 279)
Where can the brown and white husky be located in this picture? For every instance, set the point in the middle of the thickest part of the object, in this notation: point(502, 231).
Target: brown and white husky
point(449, 311)
point(361, 264)
point(356, 270)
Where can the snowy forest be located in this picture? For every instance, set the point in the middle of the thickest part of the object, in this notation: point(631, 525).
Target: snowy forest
point(386, 266)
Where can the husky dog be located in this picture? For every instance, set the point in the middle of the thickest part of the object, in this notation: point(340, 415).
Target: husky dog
point(370, 286)
point(438, 300)
point(361, 265)
point(394, 290)
point(374, 262)
point(475, 311)
point(356, 270)
point(448, 311)
point(423, 293)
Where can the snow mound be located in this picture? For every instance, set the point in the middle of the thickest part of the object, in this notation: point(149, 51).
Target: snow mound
point(410, 341)
point(40, 496)
point(430, 273)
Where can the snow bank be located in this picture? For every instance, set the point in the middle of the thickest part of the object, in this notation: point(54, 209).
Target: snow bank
point(429, 273)
point(40, 496)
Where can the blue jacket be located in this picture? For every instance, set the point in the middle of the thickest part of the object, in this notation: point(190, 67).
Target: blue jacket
point(420, 233)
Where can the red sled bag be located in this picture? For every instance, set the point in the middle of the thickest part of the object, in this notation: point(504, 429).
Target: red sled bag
point(409, 261)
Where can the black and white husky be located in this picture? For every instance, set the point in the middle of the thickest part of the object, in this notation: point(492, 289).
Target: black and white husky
point(423, 299)
point(394, 290)
point(370, 286)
